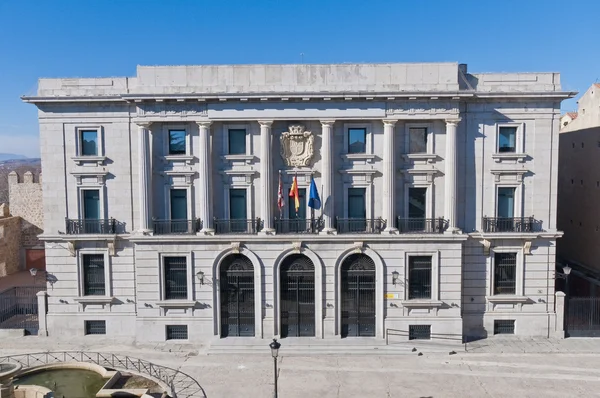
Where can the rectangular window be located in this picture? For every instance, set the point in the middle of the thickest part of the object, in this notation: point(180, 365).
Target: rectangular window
point(357, 203)
point(301, 214)
point(505, 272)
point(237, 204)
point(95, 327)
point(417, 140)
point(419, 277)
point(507, 138)
point(506, 202)
point(177, 142)
point(94, 283)
point(504, 326)
point(237, 142)
point(417, 202)
point(177, 332)
point(357, 140)
point(175, 278)
point(88, 142)
point(179, 204)
point(91, 204)
point(419, 332)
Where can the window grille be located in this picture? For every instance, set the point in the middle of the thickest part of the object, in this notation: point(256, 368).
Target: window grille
point(94, 283)
point(177, 332)
point(175, 278)
point(419, 277)
point(505, 271)
point(504, 326)
point(419, 332)
point(95, 327)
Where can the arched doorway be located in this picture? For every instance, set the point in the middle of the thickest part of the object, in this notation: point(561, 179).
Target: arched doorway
point(297, 296)
point(357, 276)
point(237, 296)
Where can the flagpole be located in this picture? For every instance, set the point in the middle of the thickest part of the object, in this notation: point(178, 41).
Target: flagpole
point(279, 192)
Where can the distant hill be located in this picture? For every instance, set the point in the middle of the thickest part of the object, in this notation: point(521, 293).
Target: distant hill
point(20, 166)
point(11, 156)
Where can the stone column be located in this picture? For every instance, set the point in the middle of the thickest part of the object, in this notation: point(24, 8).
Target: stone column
point(42, 311)
point(204, 174)
point(559, 329)
point(389, 176)
point(144, 177)
point(327, 175)
point(450, 209)
point(266, 166)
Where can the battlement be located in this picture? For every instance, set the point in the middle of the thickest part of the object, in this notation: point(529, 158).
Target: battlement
point(28, 178)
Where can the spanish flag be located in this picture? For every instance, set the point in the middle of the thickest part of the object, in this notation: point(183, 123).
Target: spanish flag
point(294, 193)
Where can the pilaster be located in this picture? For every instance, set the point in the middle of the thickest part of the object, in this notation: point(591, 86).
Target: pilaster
point(144, 176)
point(327, 176)
point(389, 171)
point(266, 165)
point(450, 209)
point(204, 196)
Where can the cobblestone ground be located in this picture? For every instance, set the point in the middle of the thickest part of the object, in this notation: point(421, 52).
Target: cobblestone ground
point(490, 368)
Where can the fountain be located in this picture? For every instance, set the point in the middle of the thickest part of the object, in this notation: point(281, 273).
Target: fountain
point(7, 372)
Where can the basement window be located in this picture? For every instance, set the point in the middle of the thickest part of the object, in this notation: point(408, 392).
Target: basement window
point(504, 326)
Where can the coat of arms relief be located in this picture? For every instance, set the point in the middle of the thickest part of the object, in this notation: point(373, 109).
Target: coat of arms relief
point(297, 146)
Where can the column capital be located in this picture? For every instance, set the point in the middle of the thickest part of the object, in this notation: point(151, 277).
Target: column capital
point(454, 121)
point(327, 123)
point(144, 124)
point(265, 123)
point(389, 122)
point(204, 123)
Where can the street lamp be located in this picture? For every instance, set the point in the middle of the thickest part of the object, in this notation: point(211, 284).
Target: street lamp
point(275, 345)
point(565, 276)
point(33, 272)
point(395, 277)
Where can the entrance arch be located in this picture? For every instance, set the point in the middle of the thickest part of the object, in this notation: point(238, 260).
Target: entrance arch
point(357, 296)
point(237, 304)
point(297, 296)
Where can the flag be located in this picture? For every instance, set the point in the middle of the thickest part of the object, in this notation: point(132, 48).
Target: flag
point(280, 201)
point(294, 193)
point(314, 201)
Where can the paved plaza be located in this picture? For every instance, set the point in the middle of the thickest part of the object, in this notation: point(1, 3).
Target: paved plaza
point(491, 368)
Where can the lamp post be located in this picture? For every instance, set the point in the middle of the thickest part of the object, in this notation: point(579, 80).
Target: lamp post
point(275, 345)
point(33, 272)
point(565, 276)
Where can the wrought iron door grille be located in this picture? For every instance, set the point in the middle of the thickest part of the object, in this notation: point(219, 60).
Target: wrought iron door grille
point(419, 332)
point(297, 296)
point(95, 327)
point(177, 332)
point(19, 308)
point(237, 296)
point(93, 275)
point(583, 317)
point(358, 296)
point(419, 277)
point(505, 270)
point(175, 278)
point(504, 326)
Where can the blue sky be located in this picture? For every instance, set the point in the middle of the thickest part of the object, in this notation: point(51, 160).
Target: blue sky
point(89, 38)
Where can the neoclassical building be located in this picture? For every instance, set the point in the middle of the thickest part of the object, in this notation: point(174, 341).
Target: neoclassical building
point(438, 193)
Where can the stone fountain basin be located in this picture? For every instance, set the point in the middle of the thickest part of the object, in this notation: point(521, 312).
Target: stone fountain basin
point(8, 371)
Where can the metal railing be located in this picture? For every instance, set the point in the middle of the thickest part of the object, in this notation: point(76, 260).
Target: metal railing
point(176, 227)
point(81, 226)
point(508, 224)
point(19, 308)
point(228, 226)
point(451, 337)
point(421, 225)
point(360, 225)
point(298, 226)
point(181, 385)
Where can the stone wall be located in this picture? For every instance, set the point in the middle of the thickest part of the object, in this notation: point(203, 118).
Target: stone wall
point(10, 242)
point(25, 198)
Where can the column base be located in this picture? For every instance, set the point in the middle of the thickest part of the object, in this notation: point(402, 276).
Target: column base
point(267, 231)
point(328, 231)
point(206, 231)
point(390, 231)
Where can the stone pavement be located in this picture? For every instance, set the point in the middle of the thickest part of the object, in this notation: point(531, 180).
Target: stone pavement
point(496, 367)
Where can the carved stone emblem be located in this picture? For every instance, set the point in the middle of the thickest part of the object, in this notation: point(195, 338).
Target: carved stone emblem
point(297, 146)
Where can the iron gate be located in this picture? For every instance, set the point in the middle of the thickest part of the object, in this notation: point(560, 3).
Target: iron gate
point(19, 308)
point(297, 298)
point(237, 296)
point(358, 296)
point(583, 317)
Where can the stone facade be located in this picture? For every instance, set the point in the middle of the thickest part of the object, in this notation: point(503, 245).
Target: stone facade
point(10, 242)
point(25, 200)
point(133, 171)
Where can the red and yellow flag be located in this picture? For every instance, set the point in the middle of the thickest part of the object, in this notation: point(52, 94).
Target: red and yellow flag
point(294, 193)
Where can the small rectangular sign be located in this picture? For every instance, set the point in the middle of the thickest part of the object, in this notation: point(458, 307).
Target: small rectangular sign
point(391, 295)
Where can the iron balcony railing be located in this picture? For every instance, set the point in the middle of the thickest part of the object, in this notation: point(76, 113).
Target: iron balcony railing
point(176, 227)
point(421, 225)
point(360, 225)
point(242, 226)
point(82, 226)
point(508, 224)
point(298, 226)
